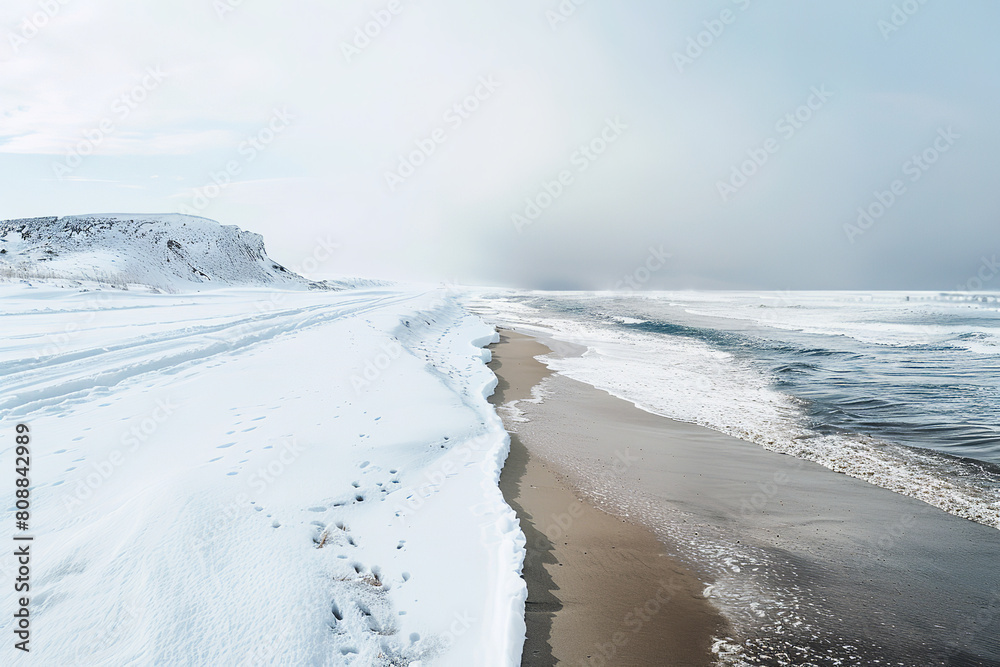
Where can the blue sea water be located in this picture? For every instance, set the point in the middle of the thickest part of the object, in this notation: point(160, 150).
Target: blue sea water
point(936, 384)
point(900, 390)
point(843, 378)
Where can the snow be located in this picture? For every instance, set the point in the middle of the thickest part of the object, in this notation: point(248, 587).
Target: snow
point(258, 475)
point(170, 252)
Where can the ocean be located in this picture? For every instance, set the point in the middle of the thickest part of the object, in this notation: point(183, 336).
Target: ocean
point(901, 389)
point(896, 390)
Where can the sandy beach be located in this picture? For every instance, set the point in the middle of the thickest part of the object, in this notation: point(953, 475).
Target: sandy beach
point(806, 565)
point(601, 590)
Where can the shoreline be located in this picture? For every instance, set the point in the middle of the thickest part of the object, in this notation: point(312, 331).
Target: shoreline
point(601, 590)
point(806, 565)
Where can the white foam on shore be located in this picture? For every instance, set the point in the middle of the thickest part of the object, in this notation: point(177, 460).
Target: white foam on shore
point(738, 588)
point(688, 380)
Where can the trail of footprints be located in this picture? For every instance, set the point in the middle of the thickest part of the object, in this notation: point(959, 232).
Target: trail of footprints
point(361, 614)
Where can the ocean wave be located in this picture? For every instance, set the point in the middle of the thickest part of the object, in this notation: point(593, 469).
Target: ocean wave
point(719, 379)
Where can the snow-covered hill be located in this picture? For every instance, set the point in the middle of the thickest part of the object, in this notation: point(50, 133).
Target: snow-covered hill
point(171, 252)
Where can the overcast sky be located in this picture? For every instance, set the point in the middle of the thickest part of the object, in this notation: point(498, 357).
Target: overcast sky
point(591, 142)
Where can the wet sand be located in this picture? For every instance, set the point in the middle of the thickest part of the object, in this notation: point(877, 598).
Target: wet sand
point(601, 590)
point(861, 575)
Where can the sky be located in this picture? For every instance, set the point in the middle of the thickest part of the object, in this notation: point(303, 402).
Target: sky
point(549, 144)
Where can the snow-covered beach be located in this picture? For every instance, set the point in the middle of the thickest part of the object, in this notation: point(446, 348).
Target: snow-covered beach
point(499, 334)
point(259, 476)
point(226, 463)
